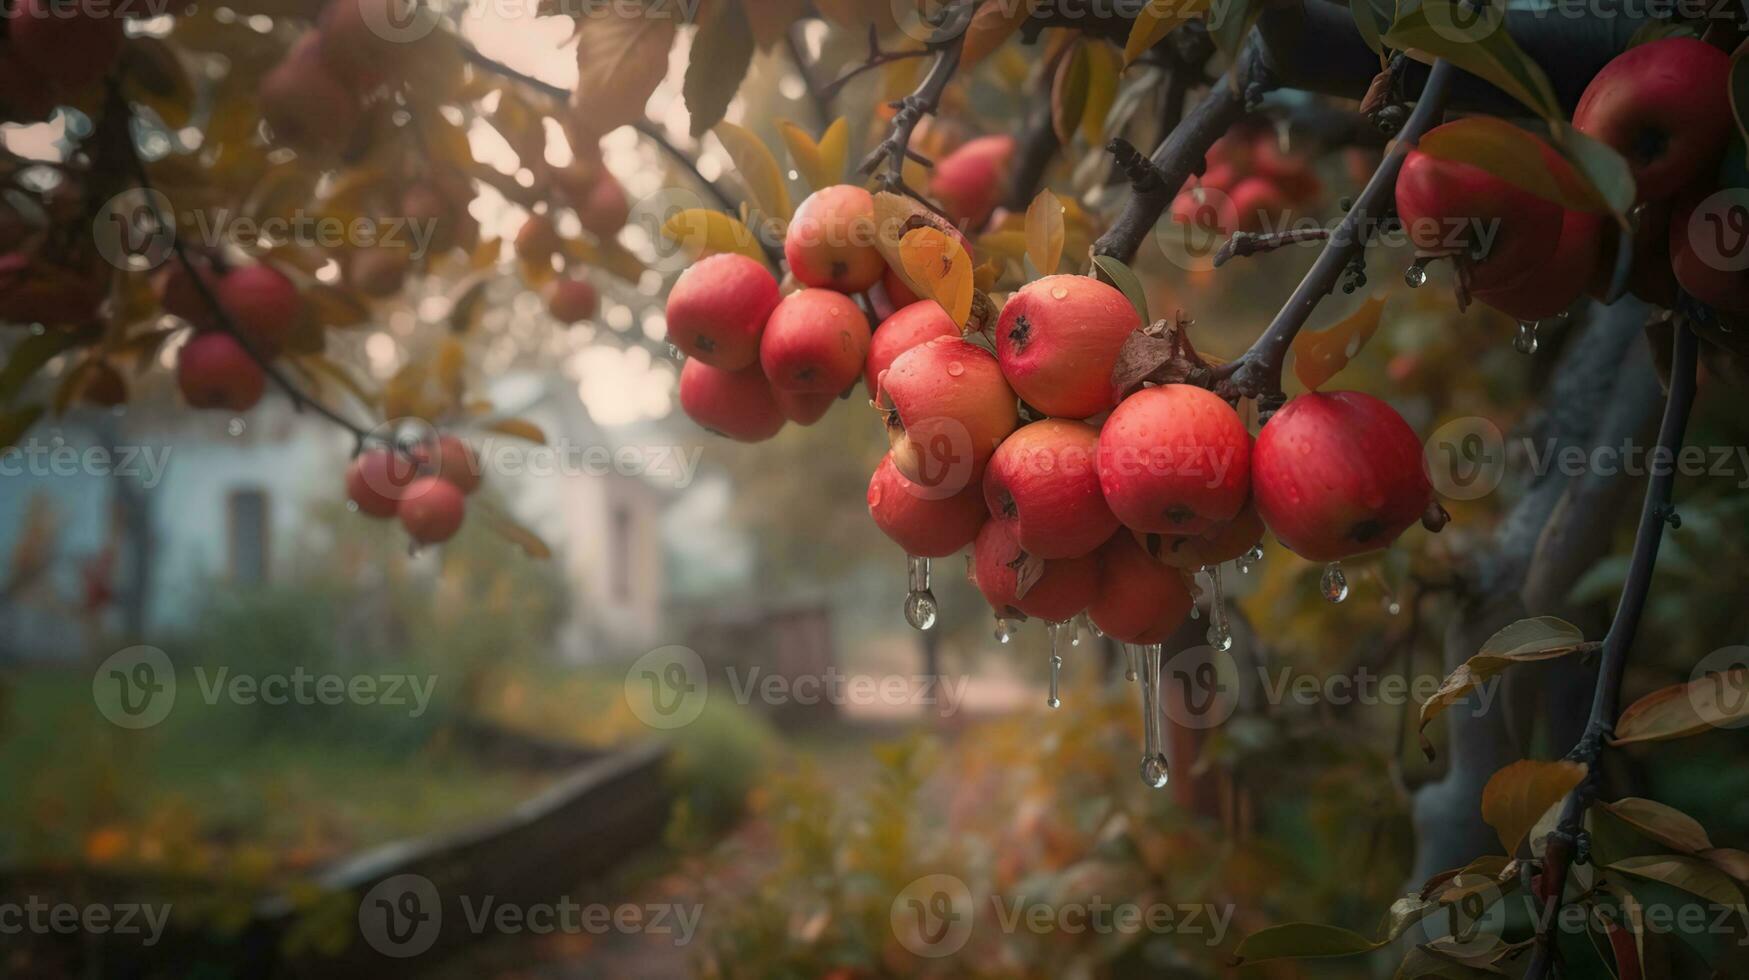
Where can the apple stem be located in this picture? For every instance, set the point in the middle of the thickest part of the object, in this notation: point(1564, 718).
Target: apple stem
point(1564, 842)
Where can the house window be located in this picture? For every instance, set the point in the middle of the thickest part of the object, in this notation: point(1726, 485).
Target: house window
point(622, 553)
point(248, 537)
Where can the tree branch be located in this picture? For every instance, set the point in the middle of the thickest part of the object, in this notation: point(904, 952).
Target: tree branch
point(888, 159)
point(1564, 843)
point(1258, 370)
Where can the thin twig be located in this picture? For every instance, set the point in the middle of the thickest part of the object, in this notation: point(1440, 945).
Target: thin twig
point(1257, 373)
point(1247, 243)
point(300, 399)
point(876, 58)
point(1564, 843)
point(888, 159)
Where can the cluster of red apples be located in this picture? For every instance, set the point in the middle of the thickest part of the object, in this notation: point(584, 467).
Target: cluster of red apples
point(1248, 184)
point(1665, 106)
point(425, 485)
point(1072, 496)
point(220, 366)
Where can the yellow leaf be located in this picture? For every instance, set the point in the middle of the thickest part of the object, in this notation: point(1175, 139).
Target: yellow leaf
point(518, 428)
point(1715, 700)
point(620, 61)
point(1318, 356)
point(820, 164)
point(1517, 796)
point(938, 264)
point(1044, 232)
point(704, 232)
point(1103, 68)
point(758, 169)
point(984, 276)
point(995, 22)
point(1157, 19)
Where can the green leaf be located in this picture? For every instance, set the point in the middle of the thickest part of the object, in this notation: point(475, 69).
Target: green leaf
point(1126, 281)
point(1541, 638)
point(722, 51)
point(1301, 940)
point(1688, 874)
point(1475, 40)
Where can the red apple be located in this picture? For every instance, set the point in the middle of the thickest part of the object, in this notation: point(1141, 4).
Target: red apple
point(814, 342)
point(736, 404)
point(1139, 599)
point(1175, 459)
point(214, 371)
point(1058, 339)
point(914, 324)
point(262, 303)
point(308, 108)
point(923, 521)
point(1338, 474)
point(1664, 105)
point(377, 480)
point(432, 510)
point(970, 181)
point(1221, 544)
point(718, 308)
point(948, 408)
point(1043, 483)
point(803, 408)
point(830, 242)
point(571, 300)
point(1012, 581)
point(1504, 235)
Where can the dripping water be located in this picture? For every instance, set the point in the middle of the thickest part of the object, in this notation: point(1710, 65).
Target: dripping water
point(1154, 772)
point(920, 607)
point(1334, 584)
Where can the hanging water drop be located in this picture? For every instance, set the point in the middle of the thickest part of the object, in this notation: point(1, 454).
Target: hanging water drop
point(236, 426)
point(1416, 274)
point(1393, 607)
point(1220, 634)
point(1525, 342)
point(1247, 561)
point(674, 353)
point(1075, 629)
point(920, 607)
point(1055, 632)
point(1154, 771)
point(1129, 651)
point(1092, 627)
point(1334, 584)
point(1004, 631)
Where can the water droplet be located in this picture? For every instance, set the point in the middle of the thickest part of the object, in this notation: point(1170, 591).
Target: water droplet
point(1334, 584)
point(1129, 652)
point(955, 369)
point(1220, 634)
point(1075, 630)
point(1059, 292)
point(920, 606)
point(352, 506)
point(236, 426)
point(1004, 631)
point(1154, 772)
point(1093, 628)
point(1055, 632)
point(1415, 276)
point(1247, 561)
point(674, 353)
point(37, 329)
point(1195, 610)
point(1525, 342)
point(874, 495)
point(1393, 607)
point(920, 609)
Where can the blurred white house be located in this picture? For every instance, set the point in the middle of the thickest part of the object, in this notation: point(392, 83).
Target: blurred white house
point(161, 506)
